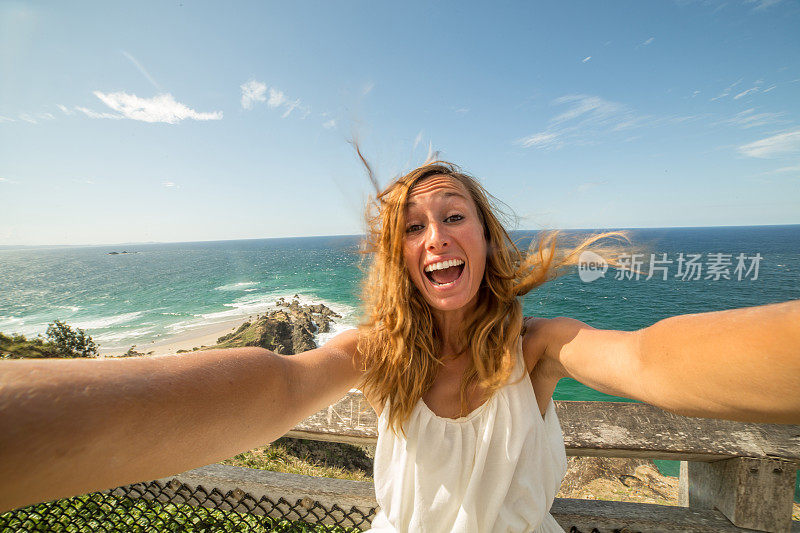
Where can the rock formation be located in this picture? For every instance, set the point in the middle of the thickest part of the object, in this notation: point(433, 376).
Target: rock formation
point(287, 330)
point(605, 478)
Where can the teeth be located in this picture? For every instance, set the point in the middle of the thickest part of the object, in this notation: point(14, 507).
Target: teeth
point(444, 264)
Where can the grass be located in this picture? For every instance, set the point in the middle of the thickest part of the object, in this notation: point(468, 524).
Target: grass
point(19, 347)
point(320, 459)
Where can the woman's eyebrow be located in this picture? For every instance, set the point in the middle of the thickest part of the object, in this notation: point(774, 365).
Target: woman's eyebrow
point(412, 203)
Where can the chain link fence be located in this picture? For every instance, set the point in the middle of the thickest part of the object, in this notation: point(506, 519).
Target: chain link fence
point(159, 506)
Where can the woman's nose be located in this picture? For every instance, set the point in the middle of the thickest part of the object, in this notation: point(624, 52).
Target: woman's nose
point(437, 236)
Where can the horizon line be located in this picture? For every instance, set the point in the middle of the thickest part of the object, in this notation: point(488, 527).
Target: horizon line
point(139, 243)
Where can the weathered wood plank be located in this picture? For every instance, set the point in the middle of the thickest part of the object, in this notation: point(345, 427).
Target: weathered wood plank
point(752, 493)
point(612, 429)
point(602, 429)
point(239, 489)
point(613, 517)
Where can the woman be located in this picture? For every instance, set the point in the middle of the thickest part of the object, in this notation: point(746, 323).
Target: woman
point(444, 357)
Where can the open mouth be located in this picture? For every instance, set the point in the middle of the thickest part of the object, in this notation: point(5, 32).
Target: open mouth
point(444, 273)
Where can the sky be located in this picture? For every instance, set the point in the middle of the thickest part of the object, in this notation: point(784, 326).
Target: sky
point(127, 122)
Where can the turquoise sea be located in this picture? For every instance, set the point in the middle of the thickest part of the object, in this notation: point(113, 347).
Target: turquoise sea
point(165, 289)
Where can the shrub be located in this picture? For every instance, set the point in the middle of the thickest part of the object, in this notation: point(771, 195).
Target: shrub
point(70, 342)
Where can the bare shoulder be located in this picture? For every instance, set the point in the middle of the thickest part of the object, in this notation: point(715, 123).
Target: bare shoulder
point(543, 335)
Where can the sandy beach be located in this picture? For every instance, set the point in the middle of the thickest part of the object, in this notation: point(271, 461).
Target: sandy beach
point(201, 336)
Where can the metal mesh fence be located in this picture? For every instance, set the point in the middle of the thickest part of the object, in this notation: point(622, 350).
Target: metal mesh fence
point(175, 507)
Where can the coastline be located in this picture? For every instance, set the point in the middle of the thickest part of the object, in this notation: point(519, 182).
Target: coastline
point(206, 335)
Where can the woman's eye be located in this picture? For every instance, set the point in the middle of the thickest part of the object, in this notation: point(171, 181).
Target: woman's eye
point(413, 227)
point(454, 218)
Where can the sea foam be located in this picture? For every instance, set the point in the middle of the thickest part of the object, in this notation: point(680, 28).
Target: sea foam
point(104, 322)
point(236, 286)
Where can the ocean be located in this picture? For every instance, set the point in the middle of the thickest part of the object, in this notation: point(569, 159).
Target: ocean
point(161, 290)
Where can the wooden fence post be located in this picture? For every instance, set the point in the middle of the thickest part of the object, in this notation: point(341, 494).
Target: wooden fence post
point(752, 493)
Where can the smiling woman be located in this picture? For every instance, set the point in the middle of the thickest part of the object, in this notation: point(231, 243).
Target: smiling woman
point(444, 283)
point(445, 246)
point(444, 364)
point(468, 437)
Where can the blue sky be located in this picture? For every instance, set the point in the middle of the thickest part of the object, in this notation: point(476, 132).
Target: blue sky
point(170, 121)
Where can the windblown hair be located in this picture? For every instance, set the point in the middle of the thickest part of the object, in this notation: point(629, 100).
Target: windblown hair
point(399, 342)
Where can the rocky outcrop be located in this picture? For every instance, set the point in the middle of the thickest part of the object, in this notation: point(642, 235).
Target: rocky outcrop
point(604, 478)
point(287, 330)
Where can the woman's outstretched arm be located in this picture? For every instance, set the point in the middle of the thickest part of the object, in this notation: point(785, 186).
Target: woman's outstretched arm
point(740, 364)
point(69, 427)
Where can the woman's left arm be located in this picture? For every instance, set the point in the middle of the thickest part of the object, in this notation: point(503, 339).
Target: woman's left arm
point(741, 364)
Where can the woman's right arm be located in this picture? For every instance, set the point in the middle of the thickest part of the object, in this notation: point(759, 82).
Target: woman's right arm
point(72, 426)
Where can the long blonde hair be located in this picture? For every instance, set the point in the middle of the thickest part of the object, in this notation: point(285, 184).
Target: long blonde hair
point(399, 342)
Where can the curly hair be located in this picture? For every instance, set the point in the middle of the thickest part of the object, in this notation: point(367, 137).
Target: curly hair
point(399, 342)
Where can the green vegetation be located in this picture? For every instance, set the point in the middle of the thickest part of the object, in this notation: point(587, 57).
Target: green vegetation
point(61, 341)
point(239, 330)
point(69, 342)
point(103, 512)
point(319, 459)
point(18, 347)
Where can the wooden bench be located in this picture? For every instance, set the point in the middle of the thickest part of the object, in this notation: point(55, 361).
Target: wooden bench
point(734, 476)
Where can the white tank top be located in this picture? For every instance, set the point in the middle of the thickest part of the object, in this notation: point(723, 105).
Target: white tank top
point(496, 469)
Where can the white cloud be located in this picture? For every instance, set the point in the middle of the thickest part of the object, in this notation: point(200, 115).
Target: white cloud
point(727, 91)
point(6, 119)
point(367, 88)
point(745, 93)
point(586, 59)
point(795, 168)
point(775, 146)
point(46, 116)
point(65, 109)
point(160, 108)
point(585, 120)
point(540, 140)
point(462, 110)
point(170, 185)
point(253, 91)
point(94, 114)
point(594, 106)
point(142, 70)
point(750, 119)
point(329, 124)
point(291, 106)
point(648, 41)
point(417, 140)
point(763, 4)
point(276, 98)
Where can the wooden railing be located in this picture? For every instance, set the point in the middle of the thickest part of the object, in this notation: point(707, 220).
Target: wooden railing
point(734, 476)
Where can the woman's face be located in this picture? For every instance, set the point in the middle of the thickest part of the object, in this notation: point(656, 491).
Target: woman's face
point(444, 247)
